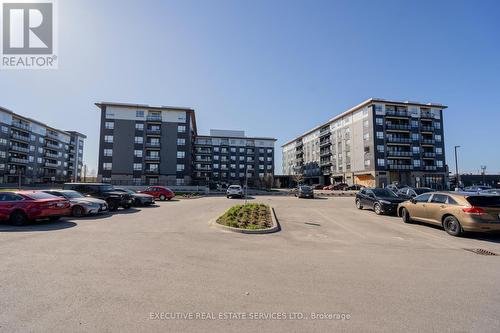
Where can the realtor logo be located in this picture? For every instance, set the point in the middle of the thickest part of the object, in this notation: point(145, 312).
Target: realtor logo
point(28, 34)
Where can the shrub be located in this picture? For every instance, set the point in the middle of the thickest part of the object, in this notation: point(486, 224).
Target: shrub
point(250, 216)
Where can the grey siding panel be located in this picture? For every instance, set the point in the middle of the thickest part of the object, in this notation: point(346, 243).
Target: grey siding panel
point(123, 147)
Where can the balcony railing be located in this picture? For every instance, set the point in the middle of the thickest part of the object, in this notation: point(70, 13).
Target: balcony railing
point(199, 159)
point(325, 152)
point(153, 144)
point(429, 154)
point(49, 154)
point(51, 165)
point(426, 114)
point(397, 113)
point(152, 158)
point(427, 128)
point(398, 139)
point(18, 124)
point(325, 132)
point(204, 151)
point(19, 148)
point(153, 131)
point(203, 168)
point(18, 160)
point(398, 127)
point(430, 167)
point(153, 118)
point(428, 141)
point(400, 167)
point(51, 145)
point(399, 153)
point(325, 143)
point(20, 137)
point(152, 171)
point(53, 135)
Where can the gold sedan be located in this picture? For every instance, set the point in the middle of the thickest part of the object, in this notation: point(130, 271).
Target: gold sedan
point(456, 212)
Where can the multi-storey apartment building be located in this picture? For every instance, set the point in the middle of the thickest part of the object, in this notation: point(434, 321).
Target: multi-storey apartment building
point(375, 143)
point(142, 144)
point(225, 156)
point(32, 152)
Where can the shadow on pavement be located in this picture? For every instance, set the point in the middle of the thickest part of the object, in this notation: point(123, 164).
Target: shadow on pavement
point(38, 226)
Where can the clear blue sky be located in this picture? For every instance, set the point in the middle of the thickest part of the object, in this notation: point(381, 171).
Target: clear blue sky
point(272, 68)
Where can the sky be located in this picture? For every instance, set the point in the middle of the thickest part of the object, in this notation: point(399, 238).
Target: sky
point(272, 68)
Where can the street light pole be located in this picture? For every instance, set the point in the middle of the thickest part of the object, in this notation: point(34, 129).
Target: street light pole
point(456, 167)
point(246, 183)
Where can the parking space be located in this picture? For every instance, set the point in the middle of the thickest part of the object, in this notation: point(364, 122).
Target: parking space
point(109, 272)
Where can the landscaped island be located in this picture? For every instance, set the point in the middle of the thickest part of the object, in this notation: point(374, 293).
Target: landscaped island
point(247, 217)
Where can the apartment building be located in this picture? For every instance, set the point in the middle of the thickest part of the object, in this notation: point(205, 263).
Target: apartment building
point(375, 143)
point(32, 152)
point(228, 157)
point(142, 144)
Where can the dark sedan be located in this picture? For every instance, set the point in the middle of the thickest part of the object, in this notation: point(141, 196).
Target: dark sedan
point(381, 200)
point(305, 192)
point(411, 192)
point(139, 199)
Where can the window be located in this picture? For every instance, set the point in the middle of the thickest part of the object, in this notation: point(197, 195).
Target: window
point(242, 150)
point(109, 125)
point(261, 158)
point(380, 148)
point(439, 150)
point(380, 135)
point(367, 163)
point(216, 157)
point(181, 129)
point(423, 197)
point(138, 153)
point(415, 136)
point(439, 163)
point(242, 158)
point(179, 181)
point(181, 142)
point(3, 154)
point(439, 198)
point(3, 141)
point(379, 121)
point(5, 129)
point(180, 167)
point(416, 150)
point(269, 159)
point(216, 149)
point(139, 114)
point(233, 150)
point(181, 154)
point(108, 152)
point(437, 137)
point(437, 125)
point(107, 166)
point(269, 167)
point(366, 136)
point(139, 139)
point(108, 138)
point(137, 166)
point(416, 163)
point(381, 162)
point(216, 165)
point(139, 126)
point(269, 151)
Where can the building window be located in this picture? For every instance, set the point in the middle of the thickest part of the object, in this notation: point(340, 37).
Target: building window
point(180, 167)
point(439, 163)
point(439, 150)
point(107, 166)
point(139, 126)
point(108, 138)
point(261, 167)
point(181, 129)
point(437, 137)
point(179, 181)
point(381, 162)
point(233, 150)
point(216, 157)
point(109, 125)
point(379, 121)
point(181, 154)
point(108, 152)
point(138, 153)
point(437, 125)
point(5, 129)
point(181, 142)
point(216, 166)
point(269, 167)
point(269, 151)
point(137, 181)
point(269, 159)
point(139, 114)
point(416, 163)
point(139, 139)
point(366, 136)
point(367, 163)
point(416, 150)
point(380, 148)
point(216, 149)
point(137, 166)
point(415, 136)
point(380, 135)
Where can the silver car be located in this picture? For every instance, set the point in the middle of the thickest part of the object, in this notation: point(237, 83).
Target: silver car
point(80, 204)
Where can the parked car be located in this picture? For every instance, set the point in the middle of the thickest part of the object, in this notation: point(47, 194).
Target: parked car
point(381, 200)
point(356, 187)
point(159, 192)
point(328, 187)
point(80, 204)
point(494, 191)
point(395, 187)
point(234, 191)
point(340, 187)
point(139, 199)
point(411, 192)
point(104, 192)
point(476, 188)
point(20, 207)
point(318, 187)
point(305, 191)
point(456, 212)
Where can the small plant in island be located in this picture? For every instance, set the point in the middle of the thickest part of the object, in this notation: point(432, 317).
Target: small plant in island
point(249, 216)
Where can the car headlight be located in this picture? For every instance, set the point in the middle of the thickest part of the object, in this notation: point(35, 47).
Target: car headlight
point(385, 202)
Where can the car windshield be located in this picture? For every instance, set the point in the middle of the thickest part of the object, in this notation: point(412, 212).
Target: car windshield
point(107, 187)
point(422, 190)
point(305, 188)
point(72, 194)
point(40, 195)
point(484, 201)
point(234, 187)
point(382, 192)
point(129, 191)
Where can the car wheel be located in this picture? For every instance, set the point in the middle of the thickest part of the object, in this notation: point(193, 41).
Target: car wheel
point(377, 209)
point(162, 197)
point(127, 206)
point(405, 215)
point(358, 204)
point(77, 211)
point(169, 199)
point(112, 206)
point(227, 196)
point(452, 226)
point(18, 218)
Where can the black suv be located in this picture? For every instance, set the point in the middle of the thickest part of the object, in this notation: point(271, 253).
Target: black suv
point(381, 200)
point(102, 191)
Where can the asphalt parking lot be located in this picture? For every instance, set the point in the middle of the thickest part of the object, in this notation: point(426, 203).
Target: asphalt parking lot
point(123, 271)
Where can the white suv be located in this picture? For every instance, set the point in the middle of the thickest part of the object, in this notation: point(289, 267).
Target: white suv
point(234, 191)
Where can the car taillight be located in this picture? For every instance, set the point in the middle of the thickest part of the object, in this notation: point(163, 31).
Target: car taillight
point(474, 210)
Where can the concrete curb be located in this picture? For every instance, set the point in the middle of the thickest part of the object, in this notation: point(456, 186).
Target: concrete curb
point(275, 228)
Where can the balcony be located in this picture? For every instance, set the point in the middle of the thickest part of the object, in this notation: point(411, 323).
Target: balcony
point(429, 154)
point(428, 141)
point(429, 167)
point(397, 113)
point(203, 168)
point(325, 143)
point(325, 152)
point(19, 148)
point(399, 153)
point(398, 139)
point(201, 159)
point(152, 171)
point(51, 165)
point(400, 167)
point(53, 135)
point(20, 137)
point(323, 133)
point(205, 151)
point(51, 145)
point(400, 127)
point(18, 160)
point(153, 118)
point(151, 158)
point(426, 115)
point(20, 125)
point(49, 154)
point(325, 162)
point(152, 144)
point(427, 129)
point(153, 131)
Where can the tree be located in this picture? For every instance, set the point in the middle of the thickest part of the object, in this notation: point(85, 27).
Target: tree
point(298, 178)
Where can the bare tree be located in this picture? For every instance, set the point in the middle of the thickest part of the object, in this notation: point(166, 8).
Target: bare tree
point(298, 178)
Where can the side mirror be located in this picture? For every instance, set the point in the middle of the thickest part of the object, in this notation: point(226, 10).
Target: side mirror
point(413, 201)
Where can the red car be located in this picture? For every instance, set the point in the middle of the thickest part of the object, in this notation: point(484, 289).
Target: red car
point(159, 192)
point(19, 207)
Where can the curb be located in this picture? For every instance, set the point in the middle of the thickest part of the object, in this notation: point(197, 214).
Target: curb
point(275, 228)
